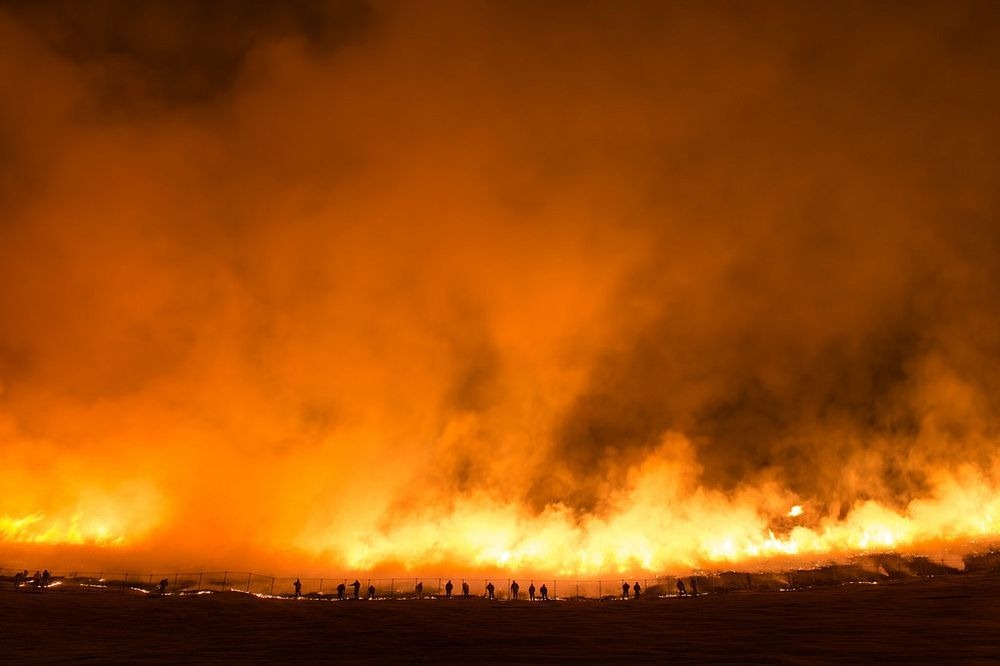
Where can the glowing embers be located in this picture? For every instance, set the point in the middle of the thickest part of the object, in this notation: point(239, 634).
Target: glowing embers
point(77, 529)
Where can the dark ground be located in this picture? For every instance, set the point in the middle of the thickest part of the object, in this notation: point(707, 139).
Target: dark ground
point(950, 619)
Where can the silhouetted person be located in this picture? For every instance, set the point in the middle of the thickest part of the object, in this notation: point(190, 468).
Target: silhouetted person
point(46, 577)
point(17, 579)
point(514, 587)
point(489, 591)
point(36, 580)
point(371, 591)
point(694, 586)
point(419, 589)
point(298, 588)
point(163, 586)
point(357, 588)
point(636, 589)
point(465, 589)
point(681, 590)
point(340, 591)
point(544, 592)
point(448, 588)
point(625, 589)
point(531, 591)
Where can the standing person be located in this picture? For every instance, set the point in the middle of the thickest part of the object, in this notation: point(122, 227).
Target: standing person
point(465, 589)
point(681, 590)
point(357, 588)
point(545, 592)
point(694, 586)
point(340, 591)
point(298, 588)
point(46, 577)
point(531, 591)
point(514, 587)
point(625, 589)
point(371, 592)
point(636, 589)
point(489, 591)
point(163, 586)
point(17, 579)
point(419, 589)
point(448, 588)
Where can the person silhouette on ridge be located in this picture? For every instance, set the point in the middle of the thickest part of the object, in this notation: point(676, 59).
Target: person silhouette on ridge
point(531, 591)
point(489, 591)
point(371, 591)
point(625, 589)
point(514, 587)
point(636, 589)
point(544, 591)
point(298, 588)
point(340, 591)
point(357, 588)
point(465, 589)
point(448, 588)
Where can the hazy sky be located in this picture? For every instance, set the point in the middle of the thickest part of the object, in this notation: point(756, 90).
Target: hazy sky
point(276, 275)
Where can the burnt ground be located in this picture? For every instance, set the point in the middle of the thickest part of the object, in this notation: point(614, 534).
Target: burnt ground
point(950, 619)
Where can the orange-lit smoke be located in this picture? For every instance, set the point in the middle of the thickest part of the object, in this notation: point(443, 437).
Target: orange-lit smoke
point(569, 288)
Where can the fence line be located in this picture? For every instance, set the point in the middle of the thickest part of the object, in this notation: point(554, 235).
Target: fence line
point(871, 569)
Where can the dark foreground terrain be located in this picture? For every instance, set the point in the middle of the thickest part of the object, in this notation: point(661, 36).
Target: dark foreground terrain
point(950, 619)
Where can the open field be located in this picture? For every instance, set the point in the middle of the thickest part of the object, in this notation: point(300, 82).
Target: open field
point(954, 618)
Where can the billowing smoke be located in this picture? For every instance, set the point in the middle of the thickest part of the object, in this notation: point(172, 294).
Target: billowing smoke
point(563, 285)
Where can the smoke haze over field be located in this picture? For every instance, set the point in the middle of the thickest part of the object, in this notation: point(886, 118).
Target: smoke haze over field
point(574, 286)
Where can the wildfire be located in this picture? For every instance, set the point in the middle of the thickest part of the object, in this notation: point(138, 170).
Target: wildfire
point(664, 519)
point(481, 287)
point(77, 530)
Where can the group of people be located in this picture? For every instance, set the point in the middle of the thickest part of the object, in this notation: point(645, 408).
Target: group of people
point(515, 591)
point(636, 589)
point(539, 594)
point(39, 581)
point(682, 590)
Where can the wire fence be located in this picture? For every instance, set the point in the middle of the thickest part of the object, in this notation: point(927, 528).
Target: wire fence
point(862, 570)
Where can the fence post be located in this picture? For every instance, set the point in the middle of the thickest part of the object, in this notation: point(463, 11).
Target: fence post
point(175, 584)
point(321, 586)
point(200, 574)
point(554, 589)
point(248, 582)
point(124, 583)
point(600, 597)
point(392, 588)
point(272, 586)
